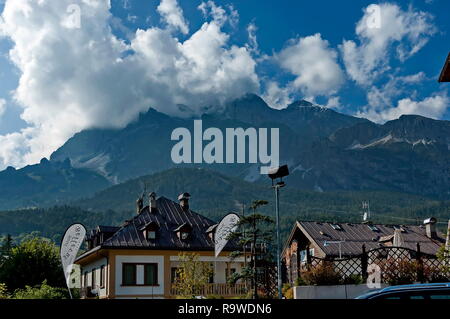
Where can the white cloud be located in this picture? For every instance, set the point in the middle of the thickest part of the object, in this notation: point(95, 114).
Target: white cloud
point(252, 39)
point(433, 107)
point(314, 64)
point(2, 107)
point(404, 31)
point(219, 14)
point(73, 79)
point(172, 14)
point(334, 102)
point(393, 88)
point(275, 96)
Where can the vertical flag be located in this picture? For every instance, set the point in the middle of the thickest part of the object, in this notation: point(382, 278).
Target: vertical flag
point(70, 244)
point(228, 225)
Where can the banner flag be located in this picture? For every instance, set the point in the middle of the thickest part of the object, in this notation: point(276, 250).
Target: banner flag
point(228, 225)
point(70, 244)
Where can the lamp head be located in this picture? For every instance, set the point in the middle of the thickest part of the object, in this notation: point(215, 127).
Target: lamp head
point(278, 172)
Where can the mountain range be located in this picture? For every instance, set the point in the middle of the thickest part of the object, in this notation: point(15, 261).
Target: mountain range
point(325, 150)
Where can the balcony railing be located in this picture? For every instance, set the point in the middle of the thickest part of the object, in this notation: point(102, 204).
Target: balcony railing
point(226, 290)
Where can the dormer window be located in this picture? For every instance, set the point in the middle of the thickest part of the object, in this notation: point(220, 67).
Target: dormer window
point(184, 231)
point(150, 231)
point(151, 234)
point(184, 235)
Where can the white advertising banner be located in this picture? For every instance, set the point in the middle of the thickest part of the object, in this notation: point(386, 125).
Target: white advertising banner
point(71, 243)
point(228, 225)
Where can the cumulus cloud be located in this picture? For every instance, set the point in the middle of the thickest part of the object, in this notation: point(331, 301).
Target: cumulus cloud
point(219, 14)
point(314, 65)
point(77, 78)
point(381, 97)
point(433, 107)
point(275, 96)
point(406, 32)
point(172, 14)
point(2, 107)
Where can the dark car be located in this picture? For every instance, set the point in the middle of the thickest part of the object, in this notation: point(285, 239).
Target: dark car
point(416, 291)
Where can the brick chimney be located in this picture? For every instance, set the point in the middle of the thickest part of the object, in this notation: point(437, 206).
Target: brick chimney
point(430, 227)
point(152, 202)
point(184, 200)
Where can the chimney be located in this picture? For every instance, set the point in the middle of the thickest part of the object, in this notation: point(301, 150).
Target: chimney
point(152, 205)
point(184, 200)
point(139, 205)
point(430, 227)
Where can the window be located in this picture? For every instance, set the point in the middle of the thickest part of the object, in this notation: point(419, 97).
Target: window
point(173, 274)
point(336, 226)
point(373, 228)
point(151, 274)
point(184, 235)
point(211, 275)
point(151, 234)
point(102, 276)
point(128, 274)
point(94, 282)
point(229, 272)
point(303, 254)
point(85, 279)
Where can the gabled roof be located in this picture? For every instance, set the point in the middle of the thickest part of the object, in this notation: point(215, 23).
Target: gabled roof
point(356, 235)
point(445, 73)
point(169, 217)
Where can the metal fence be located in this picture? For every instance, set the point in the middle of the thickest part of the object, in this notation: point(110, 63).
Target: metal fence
point(393, 265)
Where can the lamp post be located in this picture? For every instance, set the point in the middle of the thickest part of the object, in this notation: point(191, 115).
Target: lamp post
point(278, 173)
point(327, 243)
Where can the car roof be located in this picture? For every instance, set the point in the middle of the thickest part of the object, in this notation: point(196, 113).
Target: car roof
point(414, 287)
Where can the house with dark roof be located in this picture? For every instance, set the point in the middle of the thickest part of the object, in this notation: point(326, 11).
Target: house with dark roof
point(336, 241)
point(139, 259)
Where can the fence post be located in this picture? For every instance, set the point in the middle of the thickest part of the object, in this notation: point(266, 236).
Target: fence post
point(420, 274)
point(364, 263)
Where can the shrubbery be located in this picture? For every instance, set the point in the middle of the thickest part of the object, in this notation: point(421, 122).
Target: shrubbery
point(323, 274)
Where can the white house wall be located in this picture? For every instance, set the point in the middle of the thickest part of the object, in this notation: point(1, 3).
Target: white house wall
point(96, 265)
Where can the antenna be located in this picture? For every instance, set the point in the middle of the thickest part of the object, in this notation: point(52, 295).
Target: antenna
point(366, 210)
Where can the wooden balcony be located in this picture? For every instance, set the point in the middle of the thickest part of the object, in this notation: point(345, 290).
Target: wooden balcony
point(224, 290)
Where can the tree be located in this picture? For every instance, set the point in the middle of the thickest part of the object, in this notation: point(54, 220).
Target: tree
point(32, 262)
point(192, 275)
point(5, 247)
point(254, 231)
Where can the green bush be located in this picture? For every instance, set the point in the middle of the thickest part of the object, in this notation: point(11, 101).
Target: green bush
point(288, 292)
point(3, 291)
point(353, 279)
point(43, 291)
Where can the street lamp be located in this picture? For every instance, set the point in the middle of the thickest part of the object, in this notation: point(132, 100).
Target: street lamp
point(278, 173)
point(327, 243)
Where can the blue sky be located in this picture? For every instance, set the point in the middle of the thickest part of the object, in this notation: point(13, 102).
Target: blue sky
point(283, 50)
